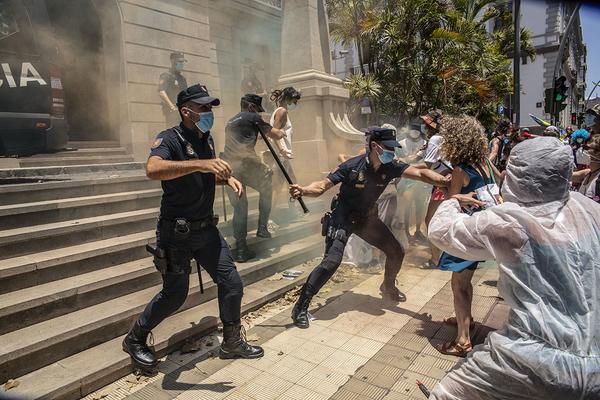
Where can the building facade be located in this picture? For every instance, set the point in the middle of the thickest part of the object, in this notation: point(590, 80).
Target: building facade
point(547, 20)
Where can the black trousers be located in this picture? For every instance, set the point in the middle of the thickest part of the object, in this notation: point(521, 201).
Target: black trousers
point(372, 231)
point(212, 252)
point(250, 172)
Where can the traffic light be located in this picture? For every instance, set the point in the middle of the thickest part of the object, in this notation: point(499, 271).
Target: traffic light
point(548, 101)
point(573, 118)
point(560, 93)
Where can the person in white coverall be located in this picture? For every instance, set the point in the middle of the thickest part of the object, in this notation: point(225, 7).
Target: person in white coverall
point(546, 241)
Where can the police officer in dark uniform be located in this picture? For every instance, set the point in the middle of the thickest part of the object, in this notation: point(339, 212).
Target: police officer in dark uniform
point(183, 159)
point(363, 178)
point(169, 85)
point(241, 134)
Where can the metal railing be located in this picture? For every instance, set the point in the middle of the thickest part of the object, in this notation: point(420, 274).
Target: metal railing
point(272, 3)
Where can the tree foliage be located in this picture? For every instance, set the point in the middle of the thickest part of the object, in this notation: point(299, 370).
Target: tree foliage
point(431, 53)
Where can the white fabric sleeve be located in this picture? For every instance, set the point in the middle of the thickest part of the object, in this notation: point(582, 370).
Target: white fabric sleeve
point(471, 237)
point(432, 152)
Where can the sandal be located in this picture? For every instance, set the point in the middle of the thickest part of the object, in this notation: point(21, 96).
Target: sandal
point(454, 349)
point(452, 321)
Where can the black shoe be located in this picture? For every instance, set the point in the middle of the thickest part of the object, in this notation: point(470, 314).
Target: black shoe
point(242, 253)
point(235, 345)
point(135, 345)
point(263, 232)
point(389, 291)
point(300, 311)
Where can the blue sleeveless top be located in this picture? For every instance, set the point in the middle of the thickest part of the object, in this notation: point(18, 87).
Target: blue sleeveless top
point(449, 262)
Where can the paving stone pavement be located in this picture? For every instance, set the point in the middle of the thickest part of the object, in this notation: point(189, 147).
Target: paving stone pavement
point(359, 347)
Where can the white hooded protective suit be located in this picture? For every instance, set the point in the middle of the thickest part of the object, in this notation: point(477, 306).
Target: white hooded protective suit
point(546, 241)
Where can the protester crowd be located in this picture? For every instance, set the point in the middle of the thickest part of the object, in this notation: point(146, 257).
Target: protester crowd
point(528, 202)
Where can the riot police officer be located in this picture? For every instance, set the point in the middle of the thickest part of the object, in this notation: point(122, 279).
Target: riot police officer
point(241, 134)
point(169, 85)
point(183, 159)
point(363, 178)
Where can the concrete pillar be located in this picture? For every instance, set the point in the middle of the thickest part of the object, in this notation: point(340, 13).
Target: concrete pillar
point(305, 63)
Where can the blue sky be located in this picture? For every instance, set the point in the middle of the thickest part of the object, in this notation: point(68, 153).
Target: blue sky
point(590, 21)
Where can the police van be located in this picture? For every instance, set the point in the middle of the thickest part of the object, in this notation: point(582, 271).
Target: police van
point(32, 108)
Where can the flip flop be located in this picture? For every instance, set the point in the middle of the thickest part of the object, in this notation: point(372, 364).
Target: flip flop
point(452, 321)
point(454, 349)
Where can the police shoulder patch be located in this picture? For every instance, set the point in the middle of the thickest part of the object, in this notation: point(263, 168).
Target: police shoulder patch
point(157, 142)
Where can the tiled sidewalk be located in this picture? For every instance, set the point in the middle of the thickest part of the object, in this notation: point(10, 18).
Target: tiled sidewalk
point(358, 348)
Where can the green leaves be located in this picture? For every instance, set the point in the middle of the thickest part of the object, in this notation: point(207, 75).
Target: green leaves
point(424, 54)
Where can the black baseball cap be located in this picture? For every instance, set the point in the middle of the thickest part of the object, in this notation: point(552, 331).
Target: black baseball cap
point(198, 94)
point(385, 136)
point(254, 99)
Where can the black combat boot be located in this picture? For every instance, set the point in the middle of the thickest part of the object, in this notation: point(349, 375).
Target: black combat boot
point(263, 232)
point(300, 310)
point(235, 346)
point(389, 291)
point(242, 253)
point(135, 345)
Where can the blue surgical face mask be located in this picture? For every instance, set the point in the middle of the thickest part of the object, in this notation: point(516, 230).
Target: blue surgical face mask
point(292, 106)
point(206, 121)
point(179, 66)
point(387, 156)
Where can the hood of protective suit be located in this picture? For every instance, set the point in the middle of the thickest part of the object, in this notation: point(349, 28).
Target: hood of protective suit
point(539, 171)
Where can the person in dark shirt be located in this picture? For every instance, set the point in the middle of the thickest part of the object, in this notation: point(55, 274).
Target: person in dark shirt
point(363, 178)
point(169, 85)
point(183, 159)
point(241, 134)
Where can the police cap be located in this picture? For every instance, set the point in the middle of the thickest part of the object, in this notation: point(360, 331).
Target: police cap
point(385, 136)
point(254, 99)
point(177, 55)
point(198, 94)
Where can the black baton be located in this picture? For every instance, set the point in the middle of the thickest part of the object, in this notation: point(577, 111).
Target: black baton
point(285, 173)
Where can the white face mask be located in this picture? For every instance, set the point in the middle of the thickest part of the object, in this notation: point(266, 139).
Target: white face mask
point(292, 106)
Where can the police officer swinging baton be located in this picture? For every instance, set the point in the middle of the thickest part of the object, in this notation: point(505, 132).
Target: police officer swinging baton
point(282, 168)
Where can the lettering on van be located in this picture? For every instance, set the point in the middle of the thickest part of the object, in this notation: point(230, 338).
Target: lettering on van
point(29, 75)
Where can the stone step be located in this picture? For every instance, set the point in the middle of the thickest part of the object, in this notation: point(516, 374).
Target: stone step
point(42, 344)
point(73, 160)
point(40, 238)
point(85, 168)
point(31, 305)
point(86, 144)
point(80, 152)
point(17, 241)
point(46, 266)
point(78, 186)
point(51, 211)
point(80, 374)
point(61, 261)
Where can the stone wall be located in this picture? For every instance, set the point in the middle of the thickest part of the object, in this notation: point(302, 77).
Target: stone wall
point(212, 35)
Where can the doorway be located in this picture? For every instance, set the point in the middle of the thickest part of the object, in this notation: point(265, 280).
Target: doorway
point(78, 31)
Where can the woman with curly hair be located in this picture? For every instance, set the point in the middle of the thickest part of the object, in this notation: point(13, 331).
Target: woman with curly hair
point(465, 147)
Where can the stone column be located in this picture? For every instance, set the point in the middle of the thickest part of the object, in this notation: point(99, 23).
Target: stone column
point(305, 65)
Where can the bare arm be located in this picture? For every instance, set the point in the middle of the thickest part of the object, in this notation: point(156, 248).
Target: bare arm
point(458, 181)
point(494, 152)
point(315, 189)
point(425, 175)
point(165, 98)
point(579, 176)
point(165, 170)
point(276, 134)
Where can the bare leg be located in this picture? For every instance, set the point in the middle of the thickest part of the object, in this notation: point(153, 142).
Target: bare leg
point(462, 288)
point(431, 209)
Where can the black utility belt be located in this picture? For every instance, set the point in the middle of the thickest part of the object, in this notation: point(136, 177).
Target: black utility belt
point(184, 225)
